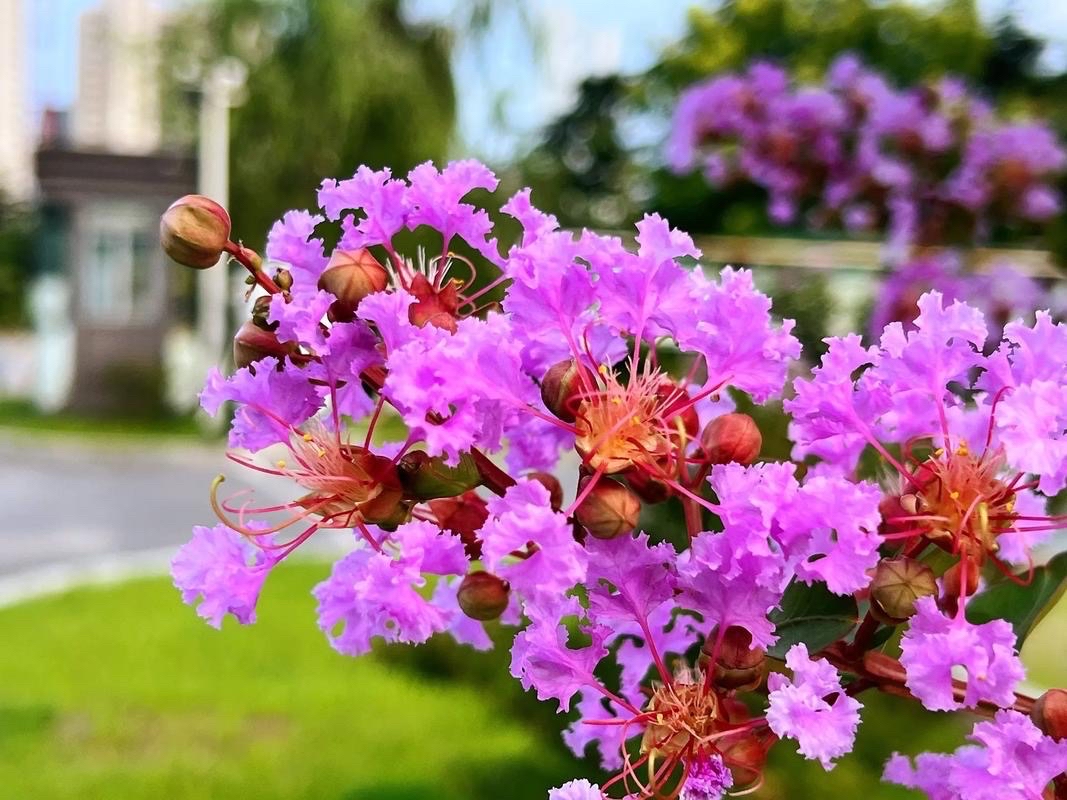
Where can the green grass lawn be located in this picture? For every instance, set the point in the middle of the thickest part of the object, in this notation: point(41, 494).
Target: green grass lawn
point(123, 693)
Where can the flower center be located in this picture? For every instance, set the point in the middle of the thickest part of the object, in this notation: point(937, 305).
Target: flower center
point(962, 504)
point(621, 426)
point(682, 713)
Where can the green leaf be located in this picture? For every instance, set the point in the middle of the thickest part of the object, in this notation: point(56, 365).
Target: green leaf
point(812, 615)
point(1022, 606)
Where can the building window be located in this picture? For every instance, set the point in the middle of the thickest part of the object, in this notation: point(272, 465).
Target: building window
point(121, 276)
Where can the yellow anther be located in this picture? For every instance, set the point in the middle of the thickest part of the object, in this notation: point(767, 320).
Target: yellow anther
point(280, 463)
point(307, 437)
point(962, 450)
point(954, 495)
point(602, 369)
point(321, 452)
point(939, 452)
point(983, 518)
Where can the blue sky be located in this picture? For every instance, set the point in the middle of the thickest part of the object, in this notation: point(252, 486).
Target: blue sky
point(580, 37)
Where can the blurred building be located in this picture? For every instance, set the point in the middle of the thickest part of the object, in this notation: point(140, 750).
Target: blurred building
point(118, 102)
point(16, 149)
point(101, 302)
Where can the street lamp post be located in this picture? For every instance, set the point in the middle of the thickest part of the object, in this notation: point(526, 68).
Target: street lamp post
point(219, 89)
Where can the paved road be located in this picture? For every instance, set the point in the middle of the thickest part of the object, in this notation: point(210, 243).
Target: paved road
point(70, 505)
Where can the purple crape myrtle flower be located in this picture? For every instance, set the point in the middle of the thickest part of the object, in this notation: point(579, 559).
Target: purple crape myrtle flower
point(1011, 759)
point(576, 790)
point(374, 592)
point(865, 154)
point(708, 779)
point(221, 572)
point(798, 709)
point(991, 419)
point(934, 644)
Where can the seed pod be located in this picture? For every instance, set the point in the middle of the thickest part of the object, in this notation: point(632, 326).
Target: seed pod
point(609, 510)
point(897, 584)
point(483, 596)
point(251, 343)
point(562, 388)
point(350, 276)
point(1049, 713)
point(194, 231)
point(730, 438)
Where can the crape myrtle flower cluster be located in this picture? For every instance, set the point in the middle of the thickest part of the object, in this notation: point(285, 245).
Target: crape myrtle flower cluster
point(925, 167)
point(929, 165)
point(659, 643)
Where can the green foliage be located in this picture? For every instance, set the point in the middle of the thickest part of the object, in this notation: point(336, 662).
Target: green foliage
point(123, 693)
point(581, 170)
point(1024, 606)
point(16, 231)
point(908, 41)
point(332, 85)
point(812, 615)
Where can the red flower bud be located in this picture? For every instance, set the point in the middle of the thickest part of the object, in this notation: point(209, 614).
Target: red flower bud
point(350, 276)
point(253, 343)
point(678, 409)
point(897, 584)
point(648, 488)
point(194, 231)
point(562, 388)
point(1049, 713)
point(387, 508)
point(737, 665)
point(464, 517)
point(550, 482)
point(609, 510)
point(731, 437)
point(483, 596)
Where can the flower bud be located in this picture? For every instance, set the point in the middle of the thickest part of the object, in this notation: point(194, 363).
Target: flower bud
point(429, 478)
point(483, 596)
point(253, 343)
point(550, 482)
point(609, 510)
point(464, 517)
point(648, 488)
point(261, 313)
point(737, 665)
point(1049, 713)
point(387, 507)
point(350, 276)
point(562, 388)
point(897, 584)
point(732, 437)
point(194, 231)
point(679, 409)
